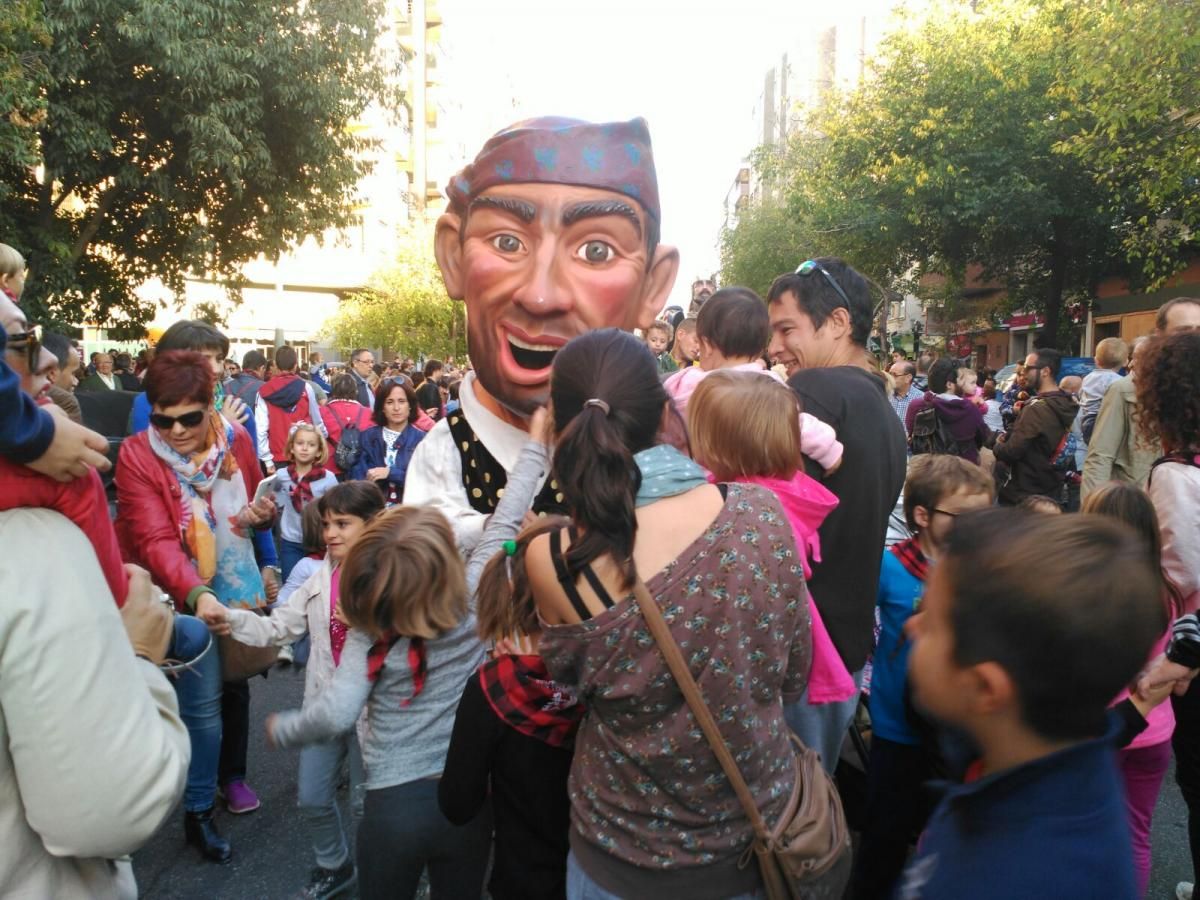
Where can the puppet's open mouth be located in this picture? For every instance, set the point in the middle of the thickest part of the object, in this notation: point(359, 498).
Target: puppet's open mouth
point(531, 356)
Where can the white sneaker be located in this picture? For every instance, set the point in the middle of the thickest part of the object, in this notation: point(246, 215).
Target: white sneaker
point(285, 655)
point(1183, 890)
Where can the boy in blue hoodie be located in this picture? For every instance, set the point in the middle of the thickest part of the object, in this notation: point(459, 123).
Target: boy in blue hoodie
point(1013, 649)
point(938, 489)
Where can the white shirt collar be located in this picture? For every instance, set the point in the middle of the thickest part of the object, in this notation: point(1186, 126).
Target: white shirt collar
point(110, 380)
point(503, 441)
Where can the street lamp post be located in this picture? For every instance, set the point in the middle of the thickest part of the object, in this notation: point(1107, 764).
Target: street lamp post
point(917, 330)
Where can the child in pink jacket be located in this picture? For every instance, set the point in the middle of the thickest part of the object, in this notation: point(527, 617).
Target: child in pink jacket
point(745, 428)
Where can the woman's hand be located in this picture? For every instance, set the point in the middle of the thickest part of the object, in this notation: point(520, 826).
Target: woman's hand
point(379, 473)
point(148, 622)
point(235, 411)
point(260, 512)
point(213, 613)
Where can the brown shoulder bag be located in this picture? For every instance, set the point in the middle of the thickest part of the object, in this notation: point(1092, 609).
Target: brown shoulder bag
point(807, 855)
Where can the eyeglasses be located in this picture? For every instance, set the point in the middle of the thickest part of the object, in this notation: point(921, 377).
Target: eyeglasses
point(30, 342)
point(187, 420)
point(945, 513)
point(809, 266)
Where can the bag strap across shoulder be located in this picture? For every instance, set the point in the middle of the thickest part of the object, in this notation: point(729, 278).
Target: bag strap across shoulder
point(695, 701)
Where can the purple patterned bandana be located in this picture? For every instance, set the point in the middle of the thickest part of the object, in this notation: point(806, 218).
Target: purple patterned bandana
point(614, 156)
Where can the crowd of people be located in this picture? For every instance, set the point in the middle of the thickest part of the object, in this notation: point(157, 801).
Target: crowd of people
point(494, 576)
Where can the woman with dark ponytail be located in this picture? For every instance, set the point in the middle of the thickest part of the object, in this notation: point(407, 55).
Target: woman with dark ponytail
point(651, 812)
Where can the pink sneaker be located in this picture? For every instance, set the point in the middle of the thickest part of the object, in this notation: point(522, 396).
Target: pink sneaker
point(239, 798)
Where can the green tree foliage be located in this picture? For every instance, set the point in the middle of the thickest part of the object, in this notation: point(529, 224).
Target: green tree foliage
point(405, 309)
point(962, 146)
point(1135, 81)
point(180, 136)
point(23, 39)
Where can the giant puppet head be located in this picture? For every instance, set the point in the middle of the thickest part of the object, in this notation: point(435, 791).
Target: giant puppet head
point(551, 232)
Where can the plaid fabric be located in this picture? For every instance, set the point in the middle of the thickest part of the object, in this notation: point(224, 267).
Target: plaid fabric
point(418, 661)
point(910, 556)
point(901, 404)
point(613, 156)
point(520, 692)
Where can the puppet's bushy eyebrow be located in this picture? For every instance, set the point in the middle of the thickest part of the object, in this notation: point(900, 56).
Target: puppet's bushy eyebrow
point(521, 209)
point(590, 209)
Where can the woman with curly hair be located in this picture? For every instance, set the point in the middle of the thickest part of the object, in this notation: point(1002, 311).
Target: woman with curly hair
point(1168, 396)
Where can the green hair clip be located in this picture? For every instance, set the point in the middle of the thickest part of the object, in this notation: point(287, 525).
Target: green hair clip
point(510, 548)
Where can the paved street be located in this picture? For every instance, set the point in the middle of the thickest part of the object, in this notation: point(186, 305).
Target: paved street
point(272, 858)
point(271, 855)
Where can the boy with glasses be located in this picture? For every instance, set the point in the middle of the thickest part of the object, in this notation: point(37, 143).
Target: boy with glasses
point(939, 488)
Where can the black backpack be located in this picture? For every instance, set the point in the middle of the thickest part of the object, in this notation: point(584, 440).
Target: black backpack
point(349, 447)
point(930, 434)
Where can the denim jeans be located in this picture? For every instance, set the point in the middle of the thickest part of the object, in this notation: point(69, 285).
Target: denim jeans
point(581, 887)
point(317, 784)
point(823, 727)
point(290, 553)
point(199, 693)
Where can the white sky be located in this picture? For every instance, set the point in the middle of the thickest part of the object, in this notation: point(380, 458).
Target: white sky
point(693, 68)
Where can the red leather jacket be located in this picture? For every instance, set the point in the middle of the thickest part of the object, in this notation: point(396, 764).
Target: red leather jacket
point(149, 514)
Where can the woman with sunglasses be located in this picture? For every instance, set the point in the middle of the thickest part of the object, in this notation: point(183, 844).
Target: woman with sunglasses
point(388, 447)
point(184, 487)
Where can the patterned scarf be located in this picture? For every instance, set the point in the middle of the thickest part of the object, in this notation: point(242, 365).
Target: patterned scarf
point(521, 692)
point(665, 473)
point(418, 661)
point(910, 556)
point(301, 492)
point(213, 493)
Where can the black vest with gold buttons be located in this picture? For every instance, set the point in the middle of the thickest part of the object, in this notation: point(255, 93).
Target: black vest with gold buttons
point(484, 478)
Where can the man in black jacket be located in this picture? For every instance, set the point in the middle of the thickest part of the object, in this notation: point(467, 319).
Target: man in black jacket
point(1029, 449)
point(821, 318)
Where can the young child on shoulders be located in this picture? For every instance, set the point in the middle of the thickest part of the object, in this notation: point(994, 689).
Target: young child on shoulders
point(1013, 649)
point(658, 339)
point(304, 480)
point(345, 510)
point(733, 329)
point(410, 648)
point(514, 732)
point(747, 428)
point(1112, 354)
point(938, 489)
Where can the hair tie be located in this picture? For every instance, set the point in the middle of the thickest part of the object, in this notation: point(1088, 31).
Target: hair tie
point(510, 548)
point(599, 404)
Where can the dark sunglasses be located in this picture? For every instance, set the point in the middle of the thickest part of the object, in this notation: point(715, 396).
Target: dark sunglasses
point(809, 266)
point(29, 342)
point(187, 420)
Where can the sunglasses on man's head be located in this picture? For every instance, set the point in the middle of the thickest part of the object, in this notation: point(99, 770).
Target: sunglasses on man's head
point(187, 420)
point(28, 342)
point(809, 266)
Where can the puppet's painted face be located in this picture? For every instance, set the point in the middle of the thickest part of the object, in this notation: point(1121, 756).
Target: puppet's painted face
point(540, 264)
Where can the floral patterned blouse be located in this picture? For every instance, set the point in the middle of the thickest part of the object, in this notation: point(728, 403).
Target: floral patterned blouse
point(645, 786)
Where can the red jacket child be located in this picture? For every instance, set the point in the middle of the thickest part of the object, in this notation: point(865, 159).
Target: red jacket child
point(149, 515)
point(83, 501)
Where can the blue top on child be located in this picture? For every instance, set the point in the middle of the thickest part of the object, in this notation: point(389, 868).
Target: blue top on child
point(899, 593)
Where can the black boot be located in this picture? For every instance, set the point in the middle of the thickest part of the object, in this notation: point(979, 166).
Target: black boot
point(200, 831)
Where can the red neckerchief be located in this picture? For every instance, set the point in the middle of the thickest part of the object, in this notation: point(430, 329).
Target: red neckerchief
point(302, 493)
point(417, 661)
point(910, 556)
point(521, 693)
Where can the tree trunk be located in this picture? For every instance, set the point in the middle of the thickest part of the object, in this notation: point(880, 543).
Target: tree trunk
point(1059, 258)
